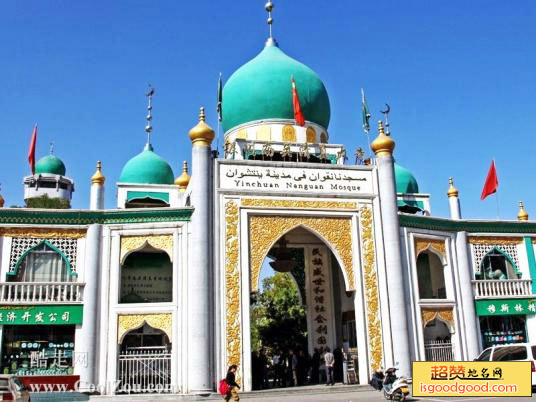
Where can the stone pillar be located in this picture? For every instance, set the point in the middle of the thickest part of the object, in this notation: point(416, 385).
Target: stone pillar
point(454, 201)
point(468, 316)
point(199, 265)
point(383, 147)
point(86, 336)
point(97, 189)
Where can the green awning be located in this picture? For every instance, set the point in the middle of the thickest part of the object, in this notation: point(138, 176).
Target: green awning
point(140, 195)
point(410, 203)
point(505, 307)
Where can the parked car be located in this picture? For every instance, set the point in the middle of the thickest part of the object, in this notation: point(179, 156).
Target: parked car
point(511, 352)
point(11, 389)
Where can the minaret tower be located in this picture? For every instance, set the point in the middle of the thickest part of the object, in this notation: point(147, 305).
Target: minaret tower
point(383, 147)
point(97, 189)
point(200, 268)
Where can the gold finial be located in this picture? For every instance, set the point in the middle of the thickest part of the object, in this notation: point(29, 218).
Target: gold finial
point(202, 134)
point(522, 215)
point(98, 177)
point(383, 145)
point(453, 191)
point(1, 201)
point(183, 180)
point(149, 117)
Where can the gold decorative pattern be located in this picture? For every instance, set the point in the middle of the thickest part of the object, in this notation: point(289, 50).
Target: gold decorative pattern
point(289, 134)
point(310, 135)
point(132, 243)
point(43, 233)
point(323, 138)
point(495, 240)
point(128, 322)
point(266, 230)
point(264, 133)
point(232, 285)
point(371, 290)
point(294, 204)
point(445, 314)
point(422, 244)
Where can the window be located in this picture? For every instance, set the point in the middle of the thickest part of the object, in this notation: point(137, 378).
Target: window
point(510, 353)
point(42, 264)
point(147, 277)
point(430, 277)
point(484, 356)
point(496, 265)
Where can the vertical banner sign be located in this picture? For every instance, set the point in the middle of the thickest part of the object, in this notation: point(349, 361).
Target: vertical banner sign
point(320, 314)
point(475, 378)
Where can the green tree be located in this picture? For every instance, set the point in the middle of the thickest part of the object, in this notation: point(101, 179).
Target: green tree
point(278, 319)
point(49, 203)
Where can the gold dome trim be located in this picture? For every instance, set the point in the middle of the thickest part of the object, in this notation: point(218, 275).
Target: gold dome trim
point(310, 135)
point(383, 145)
point(98, 177)
point(522, 214)
point(183, 180)
point(201, 134)
point(453, 191)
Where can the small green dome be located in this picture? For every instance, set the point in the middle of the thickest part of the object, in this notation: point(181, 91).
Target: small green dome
point(261, 89)
point(50, 164)
point(147, 168)
point(405, 181)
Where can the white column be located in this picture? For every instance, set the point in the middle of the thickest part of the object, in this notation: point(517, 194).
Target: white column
point(96, 197)
point(393, 260)
point(86, 336)
point(468, 315)
point(454, 202)
point(199, 271)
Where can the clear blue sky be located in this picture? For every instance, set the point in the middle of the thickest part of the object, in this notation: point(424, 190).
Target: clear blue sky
point(459, 76)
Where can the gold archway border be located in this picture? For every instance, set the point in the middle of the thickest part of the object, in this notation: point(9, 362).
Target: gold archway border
point(494, 240)
point(132, 243)
point(422, 244)
point(128, 322)
point(265, 230)
point(296, 204)
point(445, 314)
point(232, 287)
point(371, 290)
point(43, 233)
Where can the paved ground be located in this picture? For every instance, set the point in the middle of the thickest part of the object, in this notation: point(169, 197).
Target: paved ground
point(303, 394)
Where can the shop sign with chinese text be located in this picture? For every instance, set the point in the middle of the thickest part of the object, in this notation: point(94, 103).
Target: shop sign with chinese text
point(40, 315)
point(505, 307)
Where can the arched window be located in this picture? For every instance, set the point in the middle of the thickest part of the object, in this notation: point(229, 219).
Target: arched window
point(147, 277)
point(497, 265)
point(430, 276)
point(42, 264)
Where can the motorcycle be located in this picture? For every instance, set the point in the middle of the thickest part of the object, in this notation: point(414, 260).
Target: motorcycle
point(395, 388)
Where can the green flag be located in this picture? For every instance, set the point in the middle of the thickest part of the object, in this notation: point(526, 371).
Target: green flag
point(365, 112)
point(220, 90)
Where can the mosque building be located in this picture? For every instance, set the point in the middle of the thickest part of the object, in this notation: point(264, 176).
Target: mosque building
point(164, 279)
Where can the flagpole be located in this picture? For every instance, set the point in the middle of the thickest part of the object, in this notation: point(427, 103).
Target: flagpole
point(497, 195)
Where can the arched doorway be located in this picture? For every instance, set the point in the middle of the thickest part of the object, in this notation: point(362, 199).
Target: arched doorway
point(437, 341)
point(145, 361)
point(301, 310)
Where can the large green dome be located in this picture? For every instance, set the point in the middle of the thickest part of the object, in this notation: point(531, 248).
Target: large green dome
point(147, 168)
point(261, 89)
point(50, 164)
point(405, 181)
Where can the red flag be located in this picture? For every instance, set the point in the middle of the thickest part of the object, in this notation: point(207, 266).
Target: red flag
point(31, 151)
point(492, 183)
point(298, 115)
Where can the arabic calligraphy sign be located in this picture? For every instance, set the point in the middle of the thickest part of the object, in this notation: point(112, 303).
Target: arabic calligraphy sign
point(285, 179)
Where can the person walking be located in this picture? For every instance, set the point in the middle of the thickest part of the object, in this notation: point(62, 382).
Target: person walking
point(329, 360)
point(231, 382)
point(315, 366)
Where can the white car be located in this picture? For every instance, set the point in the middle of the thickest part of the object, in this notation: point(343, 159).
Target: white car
point(511, 352)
